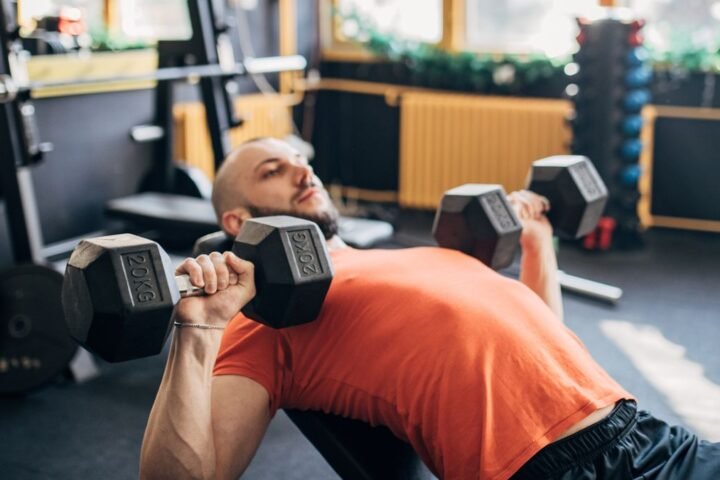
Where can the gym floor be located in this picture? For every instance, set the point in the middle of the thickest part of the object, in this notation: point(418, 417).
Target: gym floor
point(660, 341)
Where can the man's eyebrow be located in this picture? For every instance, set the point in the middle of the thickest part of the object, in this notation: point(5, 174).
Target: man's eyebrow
point(266, 161)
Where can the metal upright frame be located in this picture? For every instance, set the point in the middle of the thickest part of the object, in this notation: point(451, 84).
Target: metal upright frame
point(204, 47)
point(19, 149)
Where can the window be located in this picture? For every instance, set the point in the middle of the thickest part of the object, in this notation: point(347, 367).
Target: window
point(143, 20)
point(679, 24)
point(29, 11)
point(420, 20)
point(524, 26)
point(152, 20)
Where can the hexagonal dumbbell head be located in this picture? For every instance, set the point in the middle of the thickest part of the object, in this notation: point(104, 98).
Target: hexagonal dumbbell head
point(292, 269)
point(478, 220)
point(576, 192)
point(118, 296)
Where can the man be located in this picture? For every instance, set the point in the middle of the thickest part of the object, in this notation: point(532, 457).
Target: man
point(474, 370)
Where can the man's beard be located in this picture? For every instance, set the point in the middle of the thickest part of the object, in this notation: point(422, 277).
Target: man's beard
point(327, 220)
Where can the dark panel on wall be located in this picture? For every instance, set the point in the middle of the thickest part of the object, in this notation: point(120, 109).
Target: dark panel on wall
point(686, 168)
point(356, 140)
point(94, 158)
point(675, 87)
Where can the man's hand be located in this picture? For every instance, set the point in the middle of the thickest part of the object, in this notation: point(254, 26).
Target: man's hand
point(228, 281)
point(539, 264)
point(537, 233)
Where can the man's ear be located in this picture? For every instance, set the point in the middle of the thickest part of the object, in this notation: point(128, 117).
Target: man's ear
point(233, 219)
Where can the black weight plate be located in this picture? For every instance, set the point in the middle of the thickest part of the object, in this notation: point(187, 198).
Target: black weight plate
point(35, 345)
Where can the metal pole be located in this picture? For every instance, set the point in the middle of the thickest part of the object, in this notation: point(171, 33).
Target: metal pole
point(11, 153)
point(9, 88)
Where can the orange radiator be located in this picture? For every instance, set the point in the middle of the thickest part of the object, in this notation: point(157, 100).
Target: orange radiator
point(265, 115)
point(450, 139)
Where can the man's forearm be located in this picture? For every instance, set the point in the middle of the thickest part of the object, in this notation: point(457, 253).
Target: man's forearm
point(539, 271)
point(178, 441)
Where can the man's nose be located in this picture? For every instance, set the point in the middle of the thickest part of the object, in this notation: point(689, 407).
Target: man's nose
point(303, 175)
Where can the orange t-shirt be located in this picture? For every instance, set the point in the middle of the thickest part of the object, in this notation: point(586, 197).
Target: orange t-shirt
point(471, 368)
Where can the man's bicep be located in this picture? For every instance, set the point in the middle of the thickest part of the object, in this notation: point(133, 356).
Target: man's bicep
point(240, 416)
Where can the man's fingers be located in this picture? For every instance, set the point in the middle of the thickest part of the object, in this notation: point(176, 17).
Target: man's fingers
point(192, 268)
point(221, 270)
point(546, 204)
point(535, 204)
point(241, 267)
point(208, 269)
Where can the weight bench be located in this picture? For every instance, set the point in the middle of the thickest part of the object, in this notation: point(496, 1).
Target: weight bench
point(182, 218)
point(354, 449)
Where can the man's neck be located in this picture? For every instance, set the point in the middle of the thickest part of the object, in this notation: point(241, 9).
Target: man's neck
point(336, 243)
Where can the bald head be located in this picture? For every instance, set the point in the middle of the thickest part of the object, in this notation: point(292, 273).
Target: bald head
point(227, 192)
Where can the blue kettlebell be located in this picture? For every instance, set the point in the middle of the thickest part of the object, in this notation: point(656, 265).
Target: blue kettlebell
point(636, 56)
point(632, 125)
point(638, 77)
point(630, 175)
point(631, 149)
point(635, 99)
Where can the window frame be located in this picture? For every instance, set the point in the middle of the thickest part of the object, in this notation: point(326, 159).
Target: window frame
point(333, 48)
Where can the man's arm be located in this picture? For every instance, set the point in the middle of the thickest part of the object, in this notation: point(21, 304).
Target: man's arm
point(183, 429)
point(538, 266)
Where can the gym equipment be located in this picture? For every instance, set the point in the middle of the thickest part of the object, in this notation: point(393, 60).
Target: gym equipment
point(612, 125)
point(636, 39)
point(478, 220)
point(631, 149)
point(590, 288)
point(34, 343)
point(576, 192)
point(636, 56)
point(629, 200)
point(35, 346)
point(9, 89)
point(630, 175)
point(638, 77)
point(179, 216)
point(634, 100)
point(632, 125)
point(601, 238)
point(187, 218)
point(119, 290)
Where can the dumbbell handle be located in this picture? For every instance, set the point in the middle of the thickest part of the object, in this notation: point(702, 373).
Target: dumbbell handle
point(186, 288)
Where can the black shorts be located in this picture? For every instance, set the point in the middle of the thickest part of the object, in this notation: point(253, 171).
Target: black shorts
point(627, 444)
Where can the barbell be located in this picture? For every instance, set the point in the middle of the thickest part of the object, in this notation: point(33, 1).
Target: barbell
point(10, 89)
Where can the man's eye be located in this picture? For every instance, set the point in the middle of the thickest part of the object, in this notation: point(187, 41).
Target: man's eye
point(271, 173)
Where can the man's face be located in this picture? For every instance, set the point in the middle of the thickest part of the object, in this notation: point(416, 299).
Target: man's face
point(276, 179)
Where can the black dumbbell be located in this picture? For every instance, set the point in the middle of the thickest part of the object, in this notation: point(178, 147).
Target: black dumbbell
point(119, 291)
point(478, 220)
point(576, 192)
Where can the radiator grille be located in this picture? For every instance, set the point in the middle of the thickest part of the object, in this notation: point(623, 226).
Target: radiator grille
point(265, 115)
point(450, 139)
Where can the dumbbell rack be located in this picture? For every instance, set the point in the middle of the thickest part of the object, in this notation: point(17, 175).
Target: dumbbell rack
point(609, 90)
